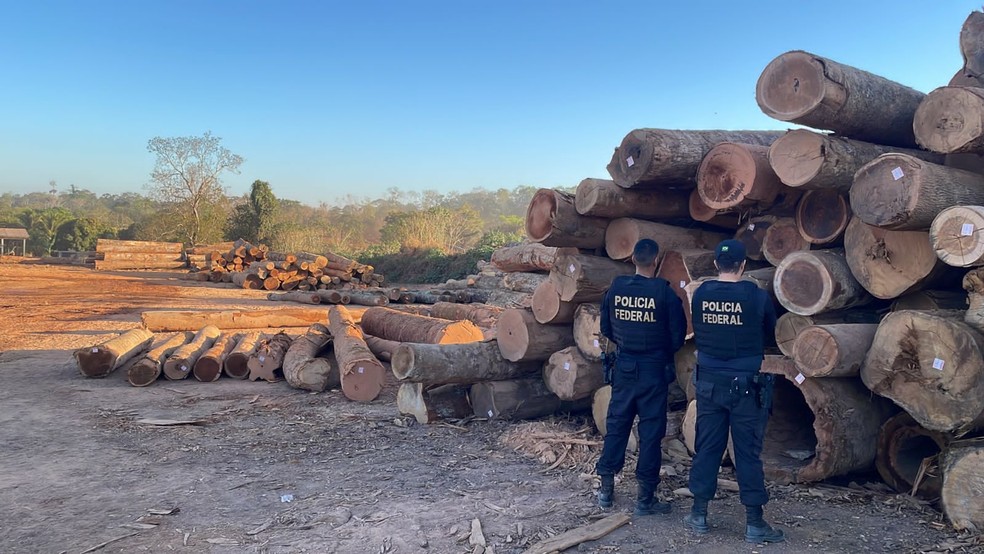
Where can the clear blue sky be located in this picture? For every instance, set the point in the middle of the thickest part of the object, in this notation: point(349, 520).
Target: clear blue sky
point(330, 98)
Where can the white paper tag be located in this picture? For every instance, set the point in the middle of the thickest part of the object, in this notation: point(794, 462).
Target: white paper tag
point(184, 368)
point(897, 173)
point(490, 413)
point(683, 284)
point(262, 359)
point(751, 226)
point(94, 350)
point(362, 369)
point(571, 268)
point(799, 378)
point(967, 229)
point(938, 364)
point(629, 161)
point(567, 366)
point(597, 344)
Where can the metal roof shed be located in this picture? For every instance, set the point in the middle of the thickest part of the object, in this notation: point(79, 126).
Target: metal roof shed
point(9, 235)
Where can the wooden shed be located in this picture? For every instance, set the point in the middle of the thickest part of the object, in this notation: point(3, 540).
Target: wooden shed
point(11, 238)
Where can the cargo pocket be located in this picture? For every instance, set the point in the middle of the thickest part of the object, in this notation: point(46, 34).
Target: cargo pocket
point(703, 389)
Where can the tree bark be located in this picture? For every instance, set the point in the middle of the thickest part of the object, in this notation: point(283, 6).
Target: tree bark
point(148, 368)
point(671, 158)
point(624, 233)
point(180, 363)
point(790, 325)
point(803, 88)
point(296, 296)
point(429, 405)
point(139, 257)
point(110, 245)
point(362, 375)
point(235, 363)
point(931, 300)
point(102, 265)
point(899, 192)
point(480, 314)
point(268, 357)
point(584, 278)
point(547, 306)
point(529, 256)
point(381, 348)
point(552, 220)
point(603, 198)
point(957, 235)
point(102, 359)
point(963, 480)
point(972, 45)
point(303, 368)
point(682, 267)
point(781, 239)
point(973, 283)
point(208, 368)
point(587, 331)
point(951, 120)
point(571, 376)
point(808, 283)
point(929, 363)
point(441, 364)
point(735, 176)
point(386, 323)
point(518, 399)
point(521, 338)
point(903, 447)
point(822, 216)
point(509, 299)
point(890, 264)
point(366, 298)
point(253, 319)
point(833, 350)
point(244, 280)
point(839, 445)
point(523, 281)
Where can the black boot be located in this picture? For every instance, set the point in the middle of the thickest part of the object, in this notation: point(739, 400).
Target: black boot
point(696, 520)
point(757, 530)
point(606, 494)
point(647, 504)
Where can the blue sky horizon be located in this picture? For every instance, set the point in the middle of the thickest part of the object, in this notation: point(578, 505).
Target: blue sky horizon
point(329, 99)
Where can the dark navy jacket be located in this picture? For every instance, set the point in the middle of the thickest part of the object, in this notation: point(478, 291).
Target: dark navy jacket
point(732, 322)
point(644, 317)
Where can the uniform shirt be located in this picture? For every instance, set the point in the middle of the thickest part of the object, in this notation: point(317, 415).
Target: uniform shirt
point(644, 317)
point(732, 323)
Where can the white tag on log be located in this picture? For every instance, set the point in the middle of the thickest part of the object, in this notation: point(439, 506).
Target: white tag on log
point(799, 378)
point(751, 226)
point(362, 369)
point(938, 364)
point(897, 173)
point(597, 344)
point(95, 350)
point(262, 359)
point(683, 284)
point(567, 366)
point(629, 161)
point(490, 413)
point(571, 268)
point(967, 229)
point(184, 368)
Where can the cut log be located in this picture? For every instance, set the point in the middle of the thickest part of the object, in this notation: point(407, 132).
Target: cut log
point(148, 368)
point(521, 338)
point(298, 296)
point(529, 256)
point(208, 367)
point(951, 120)
point(235, 363)
point(734, 176)
point(390, 324)
point(670, 157)
point(931, 300)
point(254, 319)
point(268, 358)
point(808, 283)
point(699, 211)
point(624, 233)
point(303, 366)
point(685, 363)
point(362, 375)
point(102, 265)
point(581, 278)
point(246, 280)
point(682, 267)
point(180, 363)
point(329, 296)
point(509, 299)
point(963, 483)
point(552, 220)
point(900, 192)
point(972, 46)
point(479, 314)
point(833, 350)
point(781, 239)
point(589, 532)
point(822, 216)
point(957, 235)
point(790, 325)
point(368, 298)
point(753, 234)
point(973, 283)
point(429, 405)
point(441, 364)
point(547, 306)
point(587, 331)
point(808, 437)
point(903, 449)
point(803, 88)
point(104, 358)
point(139, 257)
point(688, 431)
point(111, 245)
point(815, 161)
point(571, 376)
point(599, 412)
point(518, 399)
point(929, 363)
point(603, 198)
point(890, 264)
point(381, 348)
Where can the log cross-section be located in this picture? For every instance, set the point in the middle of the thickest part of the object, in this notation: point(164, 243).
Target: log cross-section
point(811, 282)
point(552, 220)
point(102, 359)
point(362, 375)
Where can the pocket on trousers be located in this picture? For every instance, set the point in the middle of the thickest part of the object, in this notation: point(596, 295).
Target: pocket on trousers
point(703, 389)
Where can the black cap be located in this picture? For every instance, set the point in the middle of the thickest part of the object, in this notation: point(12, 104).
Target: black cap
point(730, 252)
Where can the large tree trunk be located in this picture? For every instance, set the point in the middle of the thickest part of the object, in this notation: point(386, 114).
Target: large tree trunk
point(973, 283)
point(752, 235)
point(587, 331)
point(138, 257)
point(737, 176)
point(951, 120)
point(833, 350)
point(521, 338)
point(803, 88)
point(148, 368)
point(509, 299)
point(781, 239)
point(303, 368)
point(361, 373)
point(571, 376)
point(390, 324)
point(111, 245)
point(432, 404)
point(102, 265)
point(680, 268)
point(957, 235)
point(815, 161)
point(963, 481)
point(624, 233)
point(441, 364)
point(669, 157)
point(529, 256)
point(808, 283)
point(479, 314)
point(547, 306)
point(522, 281)
point(301, 297)
point(208, 368)
point(929, 363)
point(900, 192)
point(235, 365)
point(180, 363)
point(585, 278)
point(603, 198)
point(102, 359)
point(808, 420)
point(518, 399)
point(822, 216)
point(972, 44)
point(905, 453)
point(890, 264)
point(368, 298)
point(268, 357)
point(247, 319)
point(381, 348)
point(790, 325)
point(552, 220)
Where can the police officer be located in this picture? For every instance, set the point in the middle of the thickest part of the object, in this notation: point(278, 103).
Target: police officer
point(645, 319)
point(732, 319)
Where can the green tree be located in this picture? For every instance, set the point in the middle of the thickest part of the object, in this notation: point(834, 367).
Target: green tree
point(255, 218)
point(79, 235)
point(449, 231)
point(42, 227)
point(187, 178)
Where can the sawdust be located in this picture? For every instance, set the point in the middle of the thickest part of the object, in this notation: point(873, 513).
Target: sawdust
point(555, 443)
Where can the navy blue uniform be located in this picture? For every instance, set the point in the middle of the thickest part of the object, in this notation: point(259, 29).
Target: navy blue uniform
point(731, 323)
point(645, 318)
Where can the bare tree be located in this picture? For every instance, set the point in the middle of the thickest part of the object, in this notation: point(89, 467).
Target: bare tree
point(187, 174)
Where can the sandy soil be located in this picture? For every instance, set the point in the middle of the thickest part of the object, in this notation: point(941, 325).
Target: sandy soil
point(77, 469)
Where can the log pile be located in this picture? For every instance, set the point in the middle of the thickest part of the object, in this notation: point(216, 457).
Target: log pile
point(138, 254)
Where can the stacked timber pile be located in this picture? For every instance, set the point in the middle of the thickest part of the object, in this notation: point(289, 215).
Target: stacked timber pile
point(138, 254)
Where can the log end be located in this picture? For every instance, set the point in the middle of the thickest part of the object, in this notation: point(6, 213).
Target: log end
point(814, 351)
point(95, 361)
point(540, 215)
point(822, 216)
point(962, 486)
point(885, 190)
point(175, 369)
point(944, 122)
point(726, 176)
point(621, 237)
point(364, 381)
point(402, 362)
point(235, 365)
point(512, 335)
point(782, 239)
point(207, 370)
point(143, 373)
point(791, 86)
point(803, 285)
point(957, 235)
point(631, 159)
point(797, 156)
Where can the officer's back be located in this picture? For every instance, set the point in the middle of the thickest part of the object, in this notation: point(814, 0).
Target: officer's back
point(636, 315)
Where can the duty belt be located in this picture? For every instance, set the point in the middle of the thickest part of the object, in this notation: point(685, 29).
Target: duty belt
point(740, 385)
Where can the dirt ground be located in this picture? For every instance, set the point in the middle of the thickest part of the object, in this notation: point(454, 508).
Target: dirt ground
point(272, 469)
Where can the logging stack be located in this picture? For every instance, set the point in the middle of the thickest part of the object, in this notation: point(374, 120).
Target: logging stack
point(138, 254)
